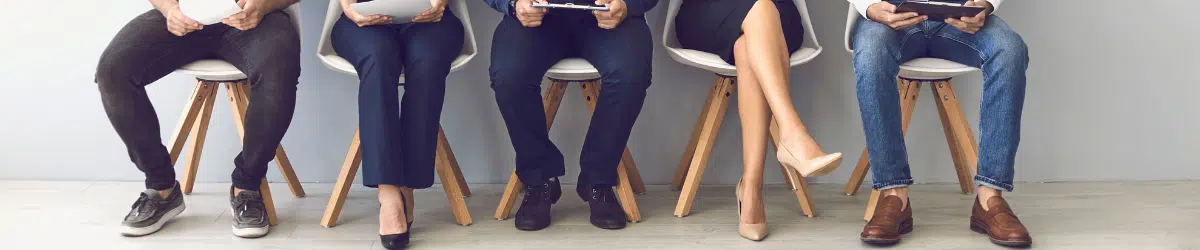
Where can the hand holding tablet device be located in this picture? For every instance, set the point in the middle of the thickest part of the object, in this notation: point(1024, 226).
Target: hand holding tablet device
point(939, 10)
point(571, 6)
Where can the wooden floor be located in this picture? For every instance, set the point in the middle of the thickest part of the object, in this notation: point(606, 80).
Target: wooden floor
point(1110, 215)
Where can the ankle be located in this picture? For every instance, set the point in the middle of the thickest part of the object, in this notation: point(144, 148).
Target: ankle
point(167, 192)
point(901, 192)
point(984, 193)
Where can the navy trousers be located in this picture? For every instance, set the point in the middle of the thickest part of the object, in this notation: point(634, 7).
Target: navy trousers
point(399, 138)
point(521, 56)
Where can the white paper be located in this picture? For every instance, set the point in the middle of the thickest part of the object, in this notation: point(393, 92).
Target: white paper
point(208, 11)
point(401, 11)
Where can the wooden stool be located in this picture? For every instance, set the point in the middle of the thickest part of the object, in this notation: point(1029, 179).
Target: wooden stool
point(704, 136)
point(963, 146)
point(196, 115)
point(630, 180)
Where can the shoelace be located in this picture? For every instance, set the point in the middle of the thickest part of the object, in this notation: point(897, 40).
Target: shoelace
point(601, 195)
point(536, 193)
point(141, 206)
point(248, 209)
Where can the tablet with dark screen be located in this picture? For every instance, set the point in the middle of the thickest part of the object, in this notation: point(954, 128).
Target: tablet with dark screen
point(939, 10)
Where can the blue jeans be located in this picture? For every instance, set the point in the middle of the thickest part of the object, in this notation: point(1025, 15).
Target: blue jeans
point(521, 56)
point(996, 49)
point(399, 137)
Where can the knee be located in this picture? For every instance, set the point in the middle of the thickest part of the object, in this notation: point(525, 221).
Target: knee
point(429, 69)
point(629, 78)
point(113, 68)
point(1009, 49)
point(508, 78)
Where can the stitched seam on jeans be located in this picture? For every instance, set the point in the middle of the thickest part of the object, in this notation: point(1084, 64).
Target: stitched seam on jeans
point(963, 42)
point(903, 41)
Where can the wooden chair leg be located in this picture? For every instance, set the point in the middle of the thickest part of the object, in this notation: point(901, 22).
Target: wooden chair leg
point(199, 132)
point(910, 90)
point(551, 101)
point(858, 174)
point(626, 171)
point(450, 183)
point(795, 181)
point(241, 90)
point(191, 110)
point(708, 136)
point(688, 151)
point(964, 178)
point(968, 147)
point(345, 179)
point(265, 190)
point(458, 176)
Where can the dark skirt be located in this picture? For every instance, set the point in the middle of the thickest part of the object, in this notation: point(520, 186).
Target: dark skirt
point(713, 26)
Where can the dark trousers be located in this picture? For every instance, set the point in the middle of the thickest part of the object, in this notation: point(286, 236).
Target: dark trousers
point(399, 137)
point(521, 56)
point(143, 52)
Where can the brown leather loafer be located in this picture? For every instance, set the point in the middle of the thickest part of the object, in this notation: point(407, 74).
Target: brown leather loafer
point(891, 220)
point(999, 223)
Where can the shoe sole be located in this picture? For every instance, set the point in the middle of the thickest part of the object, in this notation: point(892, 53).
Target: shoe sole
point(152, 228)
point(905, 228)
point(524, 228)
point(978, 227)
point(251, 233)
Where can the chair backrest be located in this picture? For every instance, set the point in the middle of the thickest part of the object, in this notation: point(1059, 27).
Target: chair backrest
point(459, 7)
point(851, 19)
point(672, 43)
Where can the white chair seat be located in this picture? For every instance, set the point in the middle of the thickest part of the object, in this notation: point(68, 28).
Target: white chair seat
point(212, 70)
point(573, 69)
point(340, 64)
point(933, 69)
point(714, 63)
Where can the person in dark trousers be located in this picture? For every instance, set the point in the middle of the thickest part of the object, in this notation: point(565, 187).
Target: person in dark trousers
point(399, 137)
point(527, 42)
point(261, 41)
point(883, 40)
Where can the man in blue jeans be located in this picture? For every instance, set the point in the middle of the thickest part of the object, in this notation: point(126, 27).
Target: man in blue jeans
point(527, 42)
point(884, 39)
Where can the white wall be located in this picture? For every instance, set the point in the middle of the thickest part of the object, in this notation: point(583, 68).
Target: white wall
point(1110, 97)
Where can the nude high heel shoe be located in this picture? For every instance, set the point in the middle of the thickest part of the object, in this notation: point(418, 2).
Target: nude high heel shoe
point(755, 232)
point(818, 166)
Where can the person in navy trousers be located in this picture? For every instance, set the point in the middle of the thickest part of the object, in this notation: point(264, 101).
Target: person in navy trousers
point(527, 42)
point(399, 136)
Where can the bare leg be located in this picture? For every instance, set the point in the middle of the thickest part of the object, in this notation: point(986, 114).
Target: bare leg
point(766, 55)
point(755, 116)
point(392, 215)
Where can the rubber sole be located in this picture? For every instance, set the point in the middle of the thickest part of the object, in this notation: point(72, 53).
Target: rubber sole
point(152, 228)
point(978, 227)
point(251, 233)
point(905, 228)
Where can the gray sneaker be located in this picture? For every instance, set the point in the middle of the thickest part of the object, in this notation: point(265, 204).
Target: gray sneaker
point(151, 211)
point(249, 214)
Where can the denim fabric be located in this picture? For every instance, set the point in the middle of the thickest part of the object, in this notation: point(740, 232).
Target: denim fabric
point(143, 52)
point(521, 56)
point(996, 49)
point(399, 136)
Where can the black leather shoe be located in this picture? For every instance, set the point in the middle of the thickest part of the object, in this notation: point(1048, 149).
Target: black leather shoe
point(606, 211)
point(397, 241)
point(534, 213)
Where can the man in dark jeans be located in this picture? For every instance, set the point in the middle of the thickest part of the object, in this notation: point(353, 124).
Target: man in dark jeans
point(261, 41)
point(526, 44)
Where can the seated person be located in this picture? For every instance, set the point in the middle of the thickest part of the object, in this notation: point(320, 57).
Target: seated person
point(261, 41)
point(527, 42)
point(399, 136)
point(884, 39)
point(758, 37)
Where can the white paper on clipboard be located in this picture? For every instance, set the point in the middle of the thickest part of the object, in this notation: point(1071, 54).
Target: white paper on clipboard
point(401, 11)
point(208, 11)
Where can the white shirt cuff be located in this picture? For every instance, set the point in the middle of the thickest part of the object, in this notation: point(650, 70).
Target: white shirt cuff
point(861, 5)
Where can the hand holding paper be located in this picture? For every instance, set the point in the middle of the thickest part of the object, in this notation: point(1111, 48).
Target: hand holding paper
point(433, 14)
point(178, 23)
point(248, 18)
point(208, 11)
point(401, 11)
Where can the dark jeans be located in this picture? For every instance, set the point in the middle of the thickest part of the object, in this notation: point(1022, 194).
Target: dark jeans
point(521, 56)
point(399, 137)
point(143, 52)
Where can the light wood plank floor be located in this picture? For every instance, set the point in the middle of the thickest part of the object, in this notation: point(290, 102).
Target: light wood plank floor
point(1108, 215)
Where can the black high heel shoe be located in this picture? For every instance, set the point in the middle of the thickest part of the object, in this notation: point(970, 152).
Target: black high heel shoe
point(397, 241)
